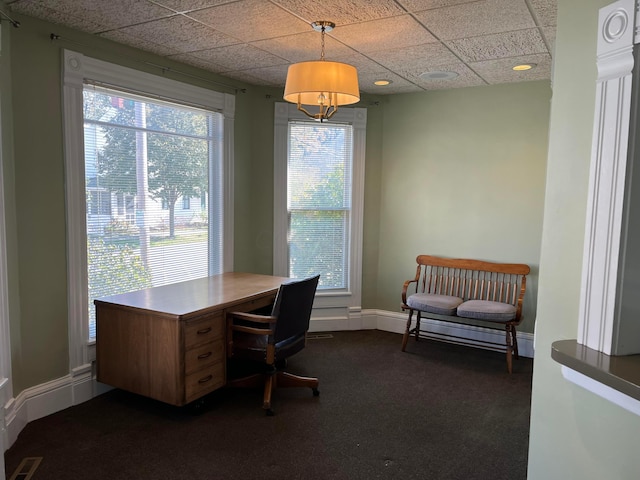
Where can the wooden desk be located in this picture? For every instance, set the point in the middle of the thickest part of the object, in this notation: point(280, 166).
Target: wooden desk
point(168, 342)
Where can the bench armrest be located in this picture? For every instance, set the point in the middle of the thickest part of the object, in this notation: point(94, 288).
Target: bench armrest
point(405, 287)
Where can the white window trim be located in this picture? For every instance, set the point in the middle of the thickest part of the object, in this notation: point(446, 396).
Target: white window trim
point(76, 69)
point(346, 303)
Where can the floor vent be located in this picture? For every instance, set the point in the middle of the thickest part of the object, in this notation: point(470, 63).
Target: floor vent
point(26, 469)
point(318, 336)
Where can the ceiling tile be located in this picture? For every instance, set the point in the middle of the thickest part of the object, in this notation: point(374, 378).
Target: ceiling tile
point(303, 47)
point(500, 70)
point(184, 6)
point(133, 41)
point(416, 59)
point(489, 47)
point(477, 18)
point(545, 11)
point(383, 34)
point(184, 34)
point(362, 63)
point(550, 35)
point(466, 78)
point(40, 10)
point(394, 89)
point(196, 62)
point(341, 12)
point(108, 14)
point(239, 57)
point(274, 76)
point(366, 84)
point(419, 5)
point(254, 20)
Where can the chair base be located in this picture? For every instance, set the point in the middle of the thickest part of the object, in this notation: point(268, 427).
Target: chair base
point(270, 381)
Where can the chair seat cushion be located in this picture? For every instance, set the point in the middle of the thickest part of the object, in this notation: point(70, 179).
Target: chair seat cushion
point(487, 310)
point(434, 303)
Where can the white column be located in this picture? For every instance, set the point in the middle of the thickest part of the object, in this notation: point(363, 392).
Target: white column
point(599, 309)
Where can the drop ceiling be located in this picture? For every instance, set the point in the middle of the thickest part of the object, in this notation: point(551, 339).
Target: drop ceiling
point(254, 41)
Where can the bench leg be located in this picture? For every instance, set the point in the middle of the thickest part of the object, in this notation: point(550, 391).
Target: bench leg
point(407, 332)
point(514, 339)
point(509, 348)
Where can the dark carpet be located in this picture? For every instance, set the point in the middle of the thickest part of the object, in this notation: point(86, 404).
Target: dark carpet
point(437, 411)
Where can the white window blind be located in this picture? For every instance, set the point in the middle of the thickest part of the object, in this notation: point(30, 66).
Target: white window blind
point(144, 161)
point(319, 178)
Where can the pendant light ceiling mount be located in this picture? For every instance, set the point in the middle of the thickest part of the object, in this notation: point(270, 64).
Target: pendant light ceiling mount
point(325, 84)
point(323, 26)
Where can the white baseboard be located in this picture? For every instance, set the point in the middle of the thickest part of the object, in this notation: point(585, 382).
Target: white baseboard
point(80, 385)
point(471, 335)
point(47, 398)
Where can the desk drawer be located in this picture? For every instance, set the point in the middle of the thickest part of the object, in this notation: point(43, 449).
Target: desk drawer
point(254, 304)
point(203, 330)
point(203, 356)
point(204, 381)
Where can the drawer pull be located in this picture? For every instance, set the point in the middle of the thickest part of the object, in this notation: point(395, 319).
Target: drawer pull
point(205, 379)
point(202, 356)
point(204, 331)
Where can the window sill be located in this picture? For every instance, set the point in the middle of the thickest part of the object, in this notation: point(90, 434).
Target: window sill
point(615, 378)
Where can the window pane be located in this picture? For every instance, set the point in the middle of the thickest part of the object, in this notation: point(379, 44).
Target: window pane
point(319, 201)
point(144, 160)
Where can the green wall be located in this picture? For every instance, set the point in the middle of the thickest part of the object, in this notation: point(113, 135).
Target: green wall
point(463, 176)
point(574, 434)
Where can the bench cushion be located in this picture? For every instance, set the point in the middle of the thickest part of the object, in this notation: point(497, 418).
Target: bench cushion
point(433, 303)
point(487, 310)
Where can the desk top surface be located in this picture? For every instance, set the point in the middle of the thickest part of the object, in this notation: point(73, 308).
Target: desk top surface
point(193, 296)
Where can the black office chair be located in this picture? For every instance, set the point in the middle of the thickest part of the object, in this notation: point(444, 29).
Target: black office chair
point(270, 339)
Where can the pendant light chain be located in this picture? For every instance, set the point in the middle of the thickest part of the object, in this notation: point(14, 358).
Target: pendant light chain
point(322, 47)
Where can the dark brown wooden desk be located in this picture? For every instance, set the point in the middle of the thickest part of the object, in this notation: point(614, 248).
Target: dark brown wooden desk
point(169, 342)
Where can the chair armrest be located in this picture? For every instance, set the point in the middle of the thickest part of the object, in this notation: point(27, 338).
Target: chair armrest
point(252, 317)
point(252, 330)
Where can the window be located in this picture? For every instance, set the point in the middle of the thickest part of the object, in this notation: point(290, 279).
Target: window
point(137, 145)
point(319, 165)
point(319, 193)
point(157, 152)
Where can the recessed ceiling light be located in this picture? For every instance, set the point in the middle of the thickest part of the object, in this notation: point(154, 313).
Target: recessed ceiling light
point(382, 82)
point(524, 66)
point(437, 75)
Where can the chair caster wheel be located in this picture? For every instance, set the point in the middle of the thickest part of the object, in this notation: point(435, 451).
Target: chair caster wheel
point(316, 392)
point(269, 413)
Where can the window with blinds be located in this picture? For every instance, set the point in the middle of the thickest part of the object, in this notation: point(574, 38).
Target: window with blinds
point(319, 170)
point(153, 192)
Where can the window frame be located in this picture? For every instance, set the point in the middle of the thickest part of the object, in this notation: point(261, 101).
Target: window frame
point(337, 304)
point(77, 70)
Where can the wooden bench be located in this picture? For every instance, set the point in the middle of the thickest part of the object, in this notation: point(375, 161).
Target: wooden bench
point(460, 290)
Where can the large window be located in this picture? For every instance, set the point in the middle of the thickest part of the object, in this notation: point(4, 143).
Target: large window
point(318, 203)
point(138, 148)
point(155, 153)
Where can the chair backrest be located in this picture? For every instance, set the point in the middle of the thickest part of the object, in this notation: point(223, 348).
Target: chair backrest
point(292, 307)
